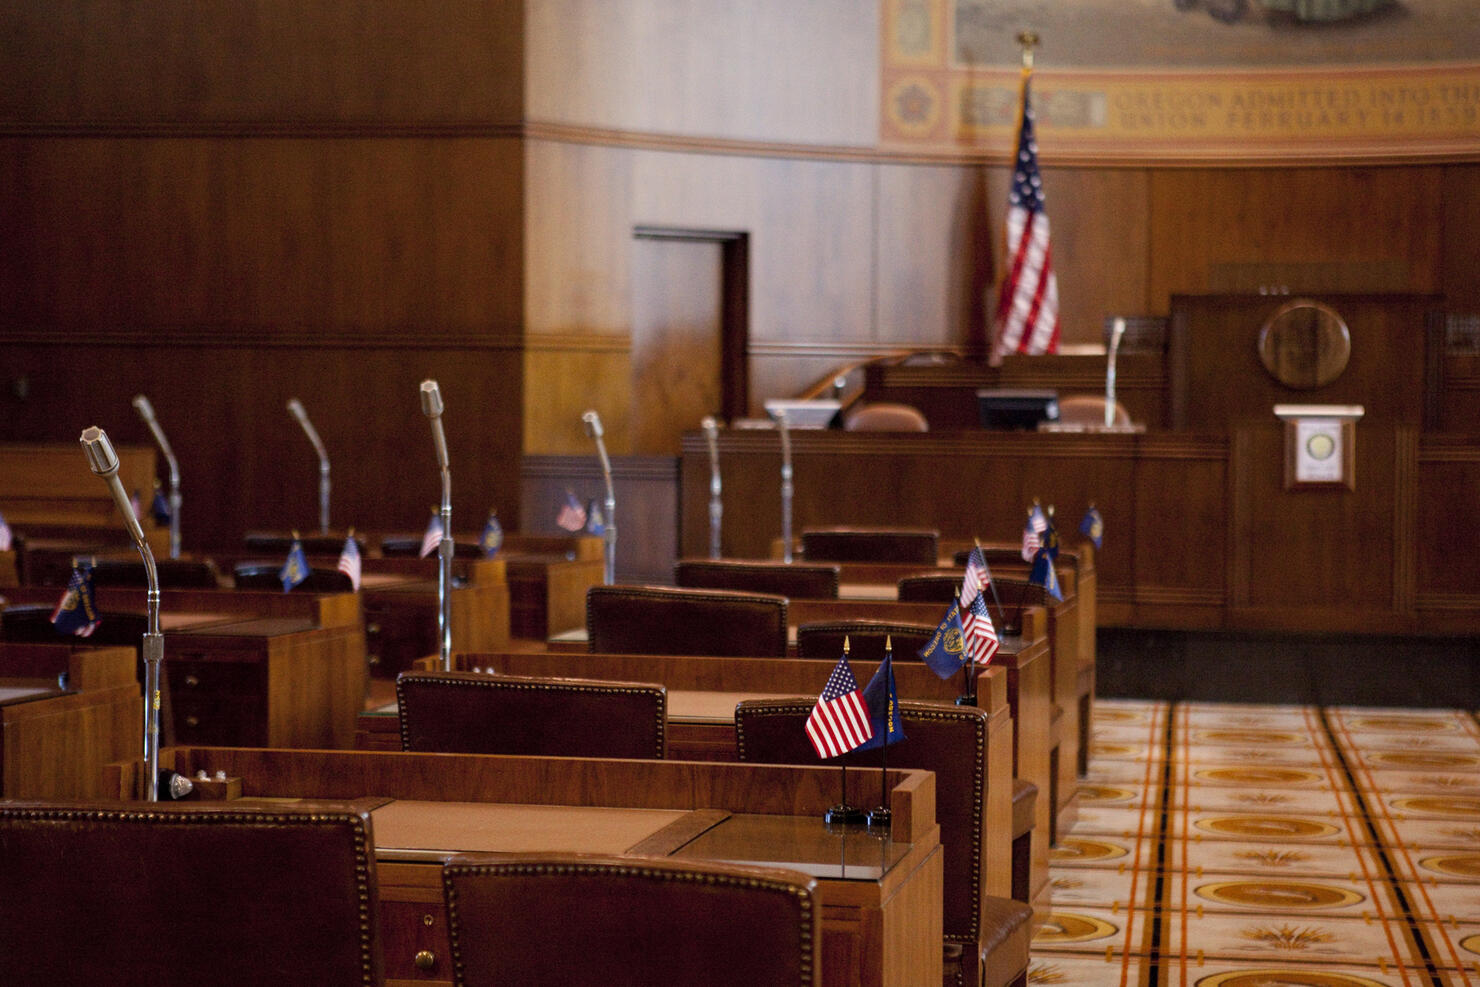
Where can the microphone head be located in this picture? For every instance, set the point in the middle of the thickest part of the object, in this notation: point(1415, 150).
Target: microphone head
point(142, 405)
point(431, 399)
point(593, 424)
point(295, 407)
point(708, 423)
point(99, 451)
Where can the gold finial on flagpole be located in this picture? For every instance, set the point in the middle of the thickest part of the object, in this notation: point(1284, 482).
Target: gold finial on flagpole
point(1029, 40)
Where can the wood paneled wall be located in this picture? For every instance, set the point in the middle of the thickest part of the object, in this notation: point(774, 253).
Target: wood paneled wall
point(228, 205)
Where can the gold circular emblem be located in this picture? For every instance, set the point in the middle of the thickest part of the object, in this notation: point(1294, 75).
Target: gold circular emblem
point(1248, 736)
point(1284, 975)
point(1399, 723)
point(1444, 805)
point(1101, 793)
point(1111, 750)
point(1266, 827)
point(1258, 776)
point(1080, 850)
point(1431, 760)
point(1278, 894)
point(1063, 927)
point(954, 645)
point(1320, 446)
point(1471, 943)
point(1459, 864)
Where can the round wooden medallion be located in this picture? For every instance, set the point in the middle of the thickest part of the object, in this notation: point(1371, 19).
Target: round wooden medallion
point(1305, 344)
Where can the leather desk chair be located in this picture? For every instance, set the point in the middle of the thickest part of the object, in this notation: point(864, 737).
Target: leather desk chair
point(866, 639)
point(933, 588)
point(596, 921)
point(135, 894)
point(943, 589)
point(264, 575)
point(796, 580)
point(916, 546)
point(886, 416)
point(172, 573)
point(31, 623)
point(274, 544)
point(1089, 409)
point(662, 620)
point(986, 937)
point(411, 547)
point(474, 713)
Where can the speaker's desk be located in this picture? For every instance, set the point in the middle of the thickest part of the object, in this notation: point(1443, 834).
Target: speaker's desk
point(881, 895)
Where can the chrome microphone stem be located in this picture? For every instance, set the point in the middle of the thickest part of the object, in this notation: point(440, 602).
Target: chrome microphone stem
point(609, 529)
point(716, 505)
point(786, 486)
point(296, 408)
point(104, 462)
point(1117, 330)
point(431, 406)
point(146, 411)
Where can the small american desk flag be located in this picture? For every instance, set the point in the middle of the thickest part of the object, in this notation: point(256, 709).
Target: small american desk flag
point(1028, 307)
point(980, 633)
point(978, 577)
point(1033, 530)
point(5, 535)
point(572, 516)
point(840, 721)
point(433, 536)
point(349, 560)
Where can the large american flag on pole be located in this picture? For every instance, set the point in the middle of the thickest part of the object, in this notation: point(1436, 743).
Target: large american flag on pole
point(840, 721)
point(1027, 319)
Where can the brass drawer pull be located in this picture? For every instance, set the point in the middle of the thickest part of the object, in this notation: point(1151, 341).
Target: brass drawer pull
point(425, 959)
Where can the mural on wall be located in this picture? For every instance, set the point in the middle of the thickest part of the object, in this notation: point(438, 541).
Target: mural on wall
point(1188, 80)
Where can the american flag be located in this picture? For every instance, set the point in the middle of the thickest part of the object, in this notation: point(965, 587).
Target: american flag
point(433, 535)
point(980, 633)
point(349, 561)
point(977, 577)
point(1027, 318)
point(840, 720)
point(572, 516)
point(5, 535)
point(1033, 530)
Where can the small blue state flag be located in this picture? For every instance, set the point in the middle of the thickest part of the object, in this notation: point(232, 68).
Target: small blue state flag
point(76, 613)
point(1043, 575)
point(295, 569)
point(882, 700)
point(160, 508)
point(1093, 526)
point(492, 538)
point(595, 520)
point(946, 652)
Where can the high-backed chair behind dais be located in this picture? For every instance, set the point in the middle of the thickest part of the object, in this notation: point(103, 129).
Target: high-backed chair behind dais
point(663, 620)
point(916, 546)
point(794, 580)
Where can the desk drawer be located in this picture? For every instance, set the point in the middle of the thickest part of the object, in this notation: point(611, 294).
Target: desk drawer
point(218, 700)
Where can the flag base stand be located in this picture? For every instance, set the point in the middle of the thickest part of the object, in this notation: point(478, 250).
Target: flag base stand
point(844, 814)
point(879, 817)
point(965, 701)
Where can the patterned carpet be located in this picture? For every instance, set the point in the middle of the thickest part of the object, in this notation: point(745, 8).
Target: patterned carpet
point(1235, 845)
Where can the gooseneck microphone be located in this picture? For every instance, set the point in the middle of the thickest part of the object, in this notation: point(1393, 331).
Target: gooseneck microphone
point(716, 506)
point(1117, 330)
point(146, 412)
point(296, 408)
point(592, 422)
point(104, 462)
point(431, 406)
point(786, 487)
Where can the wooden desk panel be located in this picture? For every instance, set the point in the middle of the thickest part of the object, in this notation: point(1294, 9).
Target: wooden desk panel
point(882, 930)
point(54, 745)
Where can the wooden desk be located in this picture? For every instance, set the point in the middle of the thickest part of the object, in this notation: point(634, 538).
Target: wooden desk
point(270, 680)
point(881, 917)
point(54, 743)
point(703, 691)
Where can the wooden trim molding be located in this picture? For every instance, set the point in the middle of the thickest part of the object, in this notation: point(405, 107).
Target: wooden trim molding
point(258, 337)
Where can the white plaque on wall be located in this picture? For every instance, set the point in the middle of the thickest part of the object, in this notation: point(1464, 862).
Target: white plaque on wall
point(1320, 444)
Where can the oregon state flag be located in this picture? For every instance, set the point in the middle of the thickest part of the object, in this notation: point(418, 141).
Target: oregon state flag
point(946, 652)
point(76, 613)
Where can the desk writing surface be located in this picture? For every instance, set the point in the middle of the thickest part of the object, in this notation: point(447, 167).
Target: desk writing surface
point(807, 844)
point(24, 693)
point(407, 829)
point(868, 591)
point(684, 705)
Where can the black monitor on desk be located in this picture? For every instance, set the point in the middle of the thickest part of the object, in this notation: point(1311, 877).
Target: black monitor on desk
point(1016, 409)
